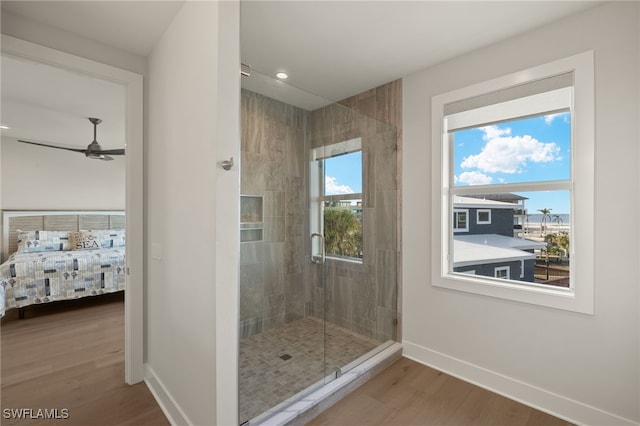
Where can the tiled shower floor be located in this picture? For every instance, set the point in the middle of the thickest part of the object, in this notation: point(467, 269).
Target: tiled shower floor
point(279, 363)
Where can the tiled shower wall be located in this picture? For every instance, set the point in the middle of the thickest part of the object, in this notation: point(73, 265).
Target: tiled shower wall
point(278, 282)
point(273, 166)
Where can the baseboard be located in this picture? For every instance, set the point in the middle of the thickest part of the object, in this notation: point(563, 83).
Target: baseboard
point(533, 396)
point(167, 403)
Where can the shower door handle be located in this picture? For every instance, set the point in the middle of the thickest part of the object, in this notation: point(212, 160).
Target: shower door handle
point(318, 259)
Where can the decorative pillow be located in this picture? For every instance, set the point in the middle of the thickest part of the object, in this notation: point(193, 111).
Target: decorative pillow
point(40, 241)
point(111, 237)
point(84, 240)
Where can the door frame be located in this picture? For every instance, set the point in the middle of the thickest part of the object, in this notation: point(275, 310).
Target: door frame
point(134, 204)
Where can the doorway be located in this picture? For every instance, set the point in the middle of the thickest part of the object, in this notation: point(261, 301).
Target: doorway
point(133, 133)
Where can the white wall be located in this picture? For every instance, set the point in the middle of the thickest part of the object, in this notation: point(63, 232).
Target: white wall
point(182, 174)
point(41, 178)
point(581, 367)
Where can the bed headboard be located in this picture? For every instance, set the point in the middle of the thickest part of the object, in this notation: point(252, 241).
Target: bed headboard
point(58, 220)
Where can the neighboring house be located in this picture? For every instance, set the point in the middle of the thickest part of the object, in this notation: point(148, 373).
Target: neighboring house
point(485, 238)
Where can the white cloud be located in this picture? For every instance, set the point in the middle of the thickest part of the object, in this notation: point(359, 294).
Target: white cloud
point(331, 187)
point(508, 154)
point(548, 119)
point(473, 178)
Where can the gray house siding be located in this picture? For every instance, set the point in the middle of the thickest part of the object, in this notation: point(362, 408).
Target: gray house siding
point(488, 270)
point(501, 222)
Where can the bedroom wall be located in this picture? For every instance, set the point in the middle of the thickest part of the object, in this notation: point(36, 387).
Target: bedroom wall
point(38, 178)
point(581, 367)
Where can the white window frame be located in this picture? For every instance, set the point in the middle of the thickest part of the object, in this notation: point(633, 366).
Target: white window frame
point(580, 296)
point(318, 198)
point(501, 269)
point(483, 222)
point(522, 268)
point(455, 221)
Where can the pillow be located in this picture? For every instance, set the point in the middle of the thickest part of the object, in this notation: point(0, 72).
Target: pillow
point(104, 238)
point(111, 237)
point(84, 240)
point(40, 241)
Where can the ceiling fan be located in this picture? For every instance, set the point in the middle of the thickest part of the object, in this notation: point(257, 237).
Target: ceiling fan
point(94, 150)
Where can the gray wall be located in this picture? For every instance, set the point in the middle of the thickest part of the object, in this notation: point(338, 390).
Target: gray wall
point(273, 167)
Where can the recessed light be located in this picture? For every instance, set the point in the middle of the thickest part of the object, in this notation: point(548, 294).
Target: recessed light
point(282, 75)
point(4, 127)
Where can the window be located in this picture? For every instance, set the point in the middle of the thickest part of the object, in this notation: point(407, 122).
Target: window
point(497, 154)
point(336, 190)
point(483, 217)
point(460, 220)
point(502, 272)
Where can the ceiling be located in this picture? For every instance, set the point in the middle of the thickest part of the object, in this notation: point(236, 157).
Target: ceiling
point(333, 49)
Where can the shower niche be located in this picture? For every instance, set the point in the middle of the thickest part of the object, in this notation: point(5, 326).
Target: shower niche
point(251, 219)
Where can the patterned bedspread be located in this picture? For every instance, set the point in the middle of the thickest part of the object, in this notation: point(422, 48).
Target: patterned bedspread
point(31, 278)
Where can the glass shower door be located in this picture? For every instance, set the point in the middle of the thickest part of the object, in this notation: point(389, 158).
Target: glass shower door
point(281, 337)
point(318, 243)
point(353, 204)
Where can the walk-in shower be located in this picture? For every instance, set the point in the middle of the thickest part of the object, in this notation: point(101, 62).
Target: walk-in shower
point(319, 238)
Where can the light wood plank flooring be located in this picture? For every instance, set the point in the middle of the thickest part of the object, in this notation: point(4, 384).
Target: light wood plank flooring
point(70, 355)
point(409, 393)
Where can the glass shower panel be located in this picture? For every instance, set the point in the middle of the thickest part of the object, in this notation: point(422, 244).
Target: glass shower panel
point(281, 346)
point(354, 160)
point(319, 192)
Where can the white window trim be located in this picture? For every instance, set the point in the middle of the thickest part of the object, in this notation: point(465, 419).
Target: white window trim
point(577, 299)
point(317, 198)
point(502, 268)
point(455, 228)
point(483, 222)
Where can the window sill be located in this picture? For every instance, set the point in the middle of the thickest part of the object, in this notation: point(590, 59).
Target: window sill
point(530, 293)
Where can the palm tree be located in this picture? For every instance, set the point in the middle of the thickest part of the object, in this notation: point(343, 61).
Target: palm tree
point(546, 214)
point(342, 232)
point(558, 220)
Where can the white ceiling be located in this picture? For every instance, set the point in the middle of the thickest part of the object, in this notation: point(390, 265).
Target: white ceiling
point(333, 49)
point(133, 26)
point(52, 105)
point(337, 49)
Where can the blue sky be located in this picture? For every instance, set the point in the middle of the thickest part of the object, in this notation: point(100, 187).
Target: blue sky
point(528, 150)
point(525, 150)
point(343, 174)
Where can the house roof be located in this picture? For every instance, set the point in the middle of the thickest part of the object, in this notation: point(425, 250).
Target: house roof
point(500, 196)
point(481, 249)
point(470, 202)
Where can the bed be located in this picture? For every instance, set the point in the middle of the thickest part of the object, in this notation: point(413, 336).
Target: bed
point(60, 256)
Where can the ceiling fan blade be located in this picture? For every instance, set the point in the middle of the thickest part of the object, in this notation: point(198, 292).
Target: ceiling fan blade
point(52, 146)
point(119, 151)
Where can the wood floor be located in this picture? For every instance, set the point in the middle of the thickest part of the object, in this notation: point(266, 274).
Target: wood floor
point(69, 356)
point(409, 393)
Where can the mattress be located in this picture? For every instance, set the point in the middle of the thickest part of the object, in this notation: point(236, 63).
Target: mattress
point(32, 278)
